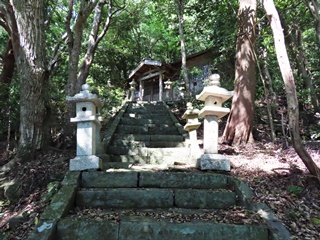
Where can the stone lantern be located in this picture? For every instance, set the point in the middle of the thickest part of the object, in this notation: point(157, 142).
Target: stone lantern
point(88, 130)
point(167, 84)
point(213, 96)
point(132, 89)
point(168, 88)
point(191, 115)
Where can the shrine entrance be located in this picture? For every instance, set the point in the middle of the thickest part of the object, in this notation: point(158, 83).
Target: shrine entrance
point(151, 76)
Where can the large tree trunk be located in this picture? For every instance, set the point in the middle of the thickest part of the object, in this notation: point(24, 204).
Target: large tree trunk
point(27, 28)
point(180, 8)
point(292, 100)
point(239, 125)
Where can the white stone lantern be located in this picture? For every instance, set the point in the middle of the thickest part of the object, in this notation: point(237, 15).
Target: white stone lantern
point(167, 84)
point(191, 115)
point(132, 89)
point(88, 130)
point(213, 96)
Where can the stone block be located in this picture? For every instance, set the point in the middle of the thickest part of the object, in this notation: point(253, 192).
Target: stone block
point(208, 199)
point(81, 163)
point(125, 198)
point(213, 162)
point(61, 203)
point(144, 228)
point(243, 191)
point(109, 179)
point(88, 229)
point(45, 230)
point(182, 180)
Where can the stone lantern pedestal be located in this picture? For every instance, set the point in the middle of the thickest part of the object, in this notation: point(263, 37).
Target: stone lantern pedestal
point(213, 96)
point(88, 130)
point(191, 115)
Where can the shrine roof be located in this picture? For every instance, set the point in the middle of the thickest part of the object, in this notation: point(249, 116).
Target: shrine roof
point(148, 65)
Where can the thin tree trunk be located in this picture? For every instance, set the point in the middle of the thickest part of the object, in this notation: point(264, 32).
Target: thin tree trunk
point(286, 72)
point(265, 77)
point(314, 7)
point(239, 124)
point(298, 54)
point(180, 8)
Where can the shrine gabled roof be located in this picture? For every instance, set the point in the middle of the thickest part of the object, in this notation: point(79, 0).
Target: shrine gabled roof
point(148, 65)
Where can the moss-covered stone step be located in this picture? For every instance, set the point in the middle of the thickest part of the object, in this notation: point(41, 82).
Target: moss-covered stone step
point(151, 144)
point(133, 159)
point(155, 115)
point(134, 121)
point(155, 198)
point(133, 129)
point(179, 152)
point(137, 228)
point(147, 137)
point(181, 180)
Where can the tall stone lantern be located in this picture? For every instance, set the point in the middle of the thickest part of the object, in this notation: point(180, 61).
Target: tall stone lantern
point(88, 130)
point(213, 96)
point(191, 115)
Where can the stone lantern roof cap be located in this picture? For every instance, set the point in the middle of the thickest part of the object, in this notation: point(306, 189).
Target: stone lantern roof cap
point(85, 96)
point(214, 90)
point(190, 111)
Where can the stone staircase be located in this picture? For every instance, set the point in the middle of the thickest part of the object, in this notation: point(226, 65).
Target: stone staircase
point(143, 205)
point(146, 133)
point(135, 203)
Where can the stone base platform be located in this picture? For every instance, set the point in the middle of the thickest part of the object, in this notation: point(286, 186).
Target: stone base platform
point(81, 163)
point(213, 162)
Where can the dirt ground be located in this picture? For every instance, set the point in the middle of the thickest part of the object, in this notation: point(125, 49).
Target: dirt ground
point(277, 177)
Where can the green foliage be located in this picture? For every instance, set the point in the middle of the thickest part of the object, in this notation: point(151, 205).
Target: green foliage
point(316, 221)
point(150, 29)
point(295, 190)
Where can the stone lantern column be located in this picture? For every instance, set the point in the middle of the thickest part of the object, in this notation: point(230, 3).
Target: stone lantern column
point(132, 89)
point(88, 130)
point(191, 114)
point(213, 96)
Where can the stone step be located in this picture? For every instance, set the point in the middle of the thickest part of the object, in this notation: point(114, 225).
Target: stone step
point(144, 151)
point(182, 180)
point(149, 198)
point(131, 129)
point(164, 115)
point(136, 159)
point(150, 144)
point(151, 109)
point(138, 228)
point(152, 138)
point(155, 122)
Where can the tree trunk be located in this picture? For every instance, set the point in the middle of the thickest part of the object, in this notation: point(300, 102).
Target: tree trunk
point(314, 7)
point(7, 73)
point(29, 45)
point(300, 59)
point(74, 36)
point(286, 72)
point(239, 124)
point(268, 92)
point(180, 8)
